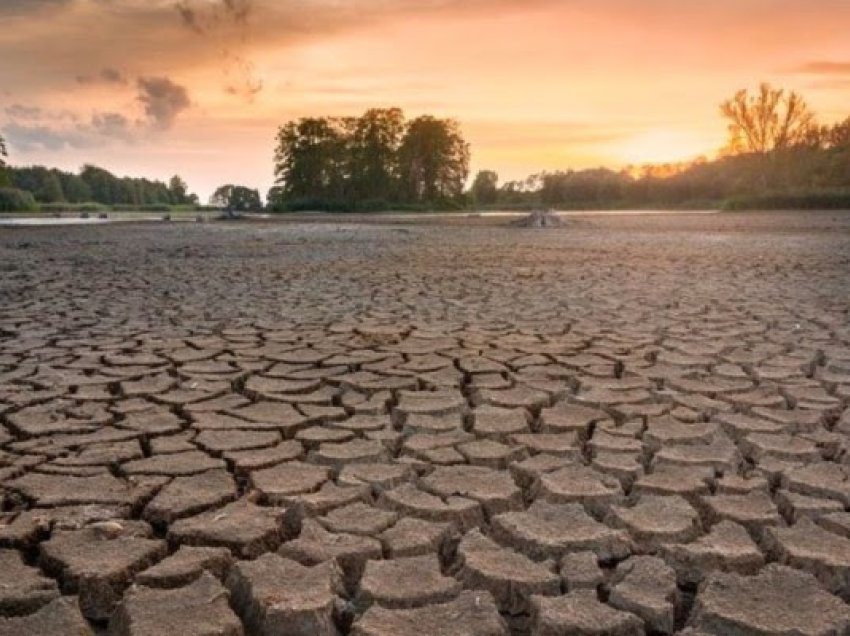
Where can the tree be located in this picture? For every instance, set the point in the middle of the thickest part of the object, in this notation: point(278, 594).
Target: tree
point(433, 161)
point(14, 200)
point(771, 119)
point(485, 187)
point(839, 135)
point(103, 185)
point(376, 139)
point(75, 188)
point(3, 178)
point(235, 198)
point(312, 159)
point(178, 191)
point(50, 190)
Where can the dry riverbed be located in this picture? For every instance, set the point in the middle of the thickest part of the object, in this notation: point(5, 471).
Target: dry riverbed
point(379, 426)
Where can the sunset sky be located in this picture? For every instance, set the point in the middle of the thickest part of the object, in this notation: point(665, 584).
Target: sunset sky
point(153, 88)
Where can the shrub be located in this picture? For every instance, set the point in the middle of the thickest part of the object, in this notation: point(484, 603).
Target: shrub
point(835, 200)
point(14, 200)
point(57, 207)
point(73, 207)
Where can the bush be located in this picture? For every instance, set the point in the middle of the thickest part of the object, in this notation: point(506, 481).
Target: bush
point(73, 207)
point(147, 207)
point(829, 200)
point(91, 207)
point(56, 207)
point(14, 200)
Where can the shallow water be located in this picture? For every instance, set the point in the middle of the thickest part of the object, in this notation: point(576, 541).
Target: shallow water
point(34, 220)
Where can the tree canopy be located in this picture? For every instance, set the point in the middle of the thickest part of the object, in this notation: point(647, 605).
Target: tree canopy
point(485, 187)
point(3, 178)
point(96, 185)
point(369, 162)
point(769, 119)
point(776, 154)
point(234, 198)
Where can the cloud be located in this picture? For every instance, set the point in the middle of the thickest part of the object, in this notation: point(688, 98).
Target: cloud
point(21, 7)
point(20, 111)
point(113, 125)
point(241, 78)
point(106, 75)
point(27, 137)
point(824, 67)
point(33, 128)
point(190, 18)
point(163, 100)
point(224, 23)
point(205, 17)
point(238, 10)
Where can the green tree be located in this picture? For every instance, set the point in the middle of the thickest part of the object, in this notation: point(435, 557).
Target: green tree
point(376, 139)
point(235, 198)
point(14, 200)
point(770, 119)
point(103, 185)
point(433, 161)
point(178, 191)
point(51, 188)
point(75, 188)
point(45, 185)
point(312, 158)
point(485, 187)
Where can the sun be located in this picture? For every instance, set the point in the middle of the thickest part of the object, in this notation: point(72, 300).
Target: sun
point(662, 146)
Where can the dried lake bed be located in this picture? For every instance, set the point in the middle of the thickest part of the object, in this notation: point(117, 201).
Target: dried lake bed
point(384, 425)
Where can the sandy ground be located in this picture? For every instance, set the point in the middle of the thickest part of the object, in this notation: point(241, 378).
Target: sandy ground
point(381, 425)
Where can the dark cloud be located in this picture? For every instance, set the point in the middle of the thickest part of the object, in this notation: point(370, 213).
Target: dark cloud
point(163, 100)
point(823, 67)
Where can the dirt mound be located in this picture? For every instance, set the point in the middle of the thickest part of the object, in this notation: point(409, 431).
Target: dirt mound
point(539, 219)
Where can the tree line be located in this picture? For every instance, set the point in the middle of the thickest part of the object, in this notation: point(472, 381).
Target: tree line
point(50, 188)
point(372, 162)
point(776, 155)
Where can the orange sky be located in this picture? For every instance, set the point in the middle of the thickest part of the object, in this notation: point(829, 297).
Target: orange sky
point(139, 88)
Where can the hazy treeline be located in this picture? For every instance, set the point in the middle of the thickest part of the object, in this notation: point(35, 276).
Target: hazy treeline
point(372, 162)
point(780, 178)
point(776, 156)
point(32, 187)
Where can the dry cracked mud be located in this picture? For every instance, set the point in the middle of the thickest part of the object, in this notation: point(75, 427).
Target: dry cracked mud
point(376, 426)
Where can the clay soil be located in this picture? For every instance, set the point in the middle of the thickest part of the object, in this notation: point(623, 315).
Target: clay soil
point(383, 425)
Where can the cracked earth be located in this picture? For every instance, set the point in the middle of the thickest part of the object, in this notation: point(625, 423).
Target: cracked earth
point(628, 425)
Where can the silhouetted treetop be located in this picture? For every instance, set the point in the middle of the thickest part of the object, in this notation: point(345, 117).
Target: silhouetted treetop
point(371, 161)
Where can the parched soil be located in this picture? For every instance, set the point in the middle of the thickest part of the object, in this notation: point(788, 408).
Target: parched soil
point(379, 425)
